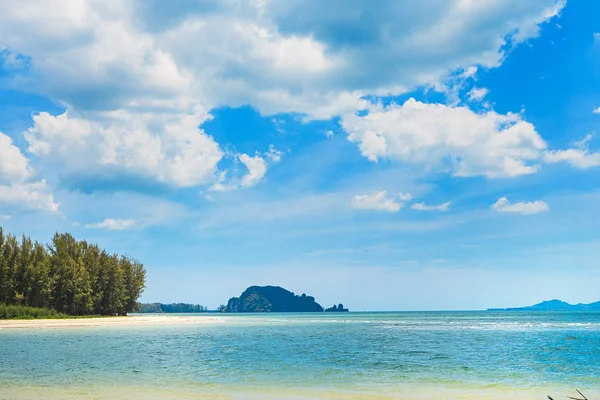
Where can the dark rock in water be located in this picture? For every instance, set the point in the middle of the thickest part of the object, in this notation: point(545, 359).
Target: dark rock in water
point(271, 299)
point(338, 308)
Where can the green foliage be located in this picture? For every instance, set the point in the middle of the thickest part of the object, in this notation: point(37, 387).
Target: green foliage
point(68, 276)
point(25, 312)
point(171, 308)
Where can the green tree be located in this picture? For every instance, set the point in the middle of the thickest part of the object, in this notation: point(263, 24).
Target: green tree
point(68, 276)
point(8, 262)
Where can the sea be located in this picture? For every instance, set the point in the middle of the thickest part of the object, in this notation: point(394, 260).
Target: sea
point(395, 355)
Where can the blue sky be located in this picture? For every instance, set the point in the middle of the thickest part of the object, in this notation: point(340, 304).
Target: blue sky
point(415, 155)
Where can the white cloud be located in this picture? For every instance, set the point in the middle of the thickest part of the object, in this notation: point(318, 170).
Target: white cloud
point(596, 111)
point(33, 195)
point(453, 139)
point(13, 164)
point(578, 157)
point(378, 201)
point(138, 80)
point(257, 168)
point(273, 154)
point(5, 217)
point(279, 56)
point(453, 85)
point(117, 224)
point(168, 148)
point(17, 188)
point(534, 207)
point(405, 196)
point(585, 142)
point(424, 207)
point(477, 94)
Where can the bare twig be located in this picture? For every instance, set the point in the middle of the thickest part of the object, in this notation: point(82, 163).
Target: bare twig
point(574, 398)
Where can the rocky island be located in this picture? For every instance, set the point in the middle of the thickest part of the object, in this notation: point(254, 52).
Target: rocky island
point(271, 299)
point(338, 308)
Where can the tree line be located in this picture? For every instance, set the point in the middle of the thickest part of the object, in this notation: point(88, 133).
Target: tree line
point(68, 276)
point(171, 308)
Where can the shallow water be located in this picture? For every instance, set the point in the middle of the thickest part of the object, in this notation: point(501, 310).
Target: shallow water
point(435, 355)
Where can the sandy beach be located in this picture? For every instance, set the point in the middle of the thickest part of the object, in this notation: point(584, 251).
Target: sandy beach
point(109, 321)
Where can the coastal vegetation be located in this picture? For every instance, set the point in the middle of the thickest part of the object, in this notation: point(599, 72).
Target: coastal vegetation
point(25, 312)
point(171, 308)
point(272, 299)
point(66, 277)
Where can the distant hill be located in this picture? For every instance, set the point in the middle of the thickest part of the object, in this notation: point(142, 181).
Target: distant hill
point(271, 299)
point(554, 305)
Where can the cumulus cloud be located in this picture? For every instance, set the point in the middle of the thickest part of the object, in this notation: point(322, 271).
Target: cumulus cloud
point(596, 111)
point(18, 189)
point(138, 79)
point(33, 195)
point(579, 157)
point(446, 138)
point(169, 148)
point(14, 166)
point(115, 224)
point(379, 201)
point(256, 167)
point(424, 207)
point(523, 207)
point(477, 94)
point(277, 55)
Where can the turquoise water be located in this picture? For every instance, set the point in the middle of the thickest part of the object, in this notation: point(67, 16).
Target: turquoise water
point(355, 355)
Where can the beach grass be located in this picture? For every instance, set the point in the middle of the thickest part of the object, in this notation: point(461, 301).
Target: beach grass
point(26, 312)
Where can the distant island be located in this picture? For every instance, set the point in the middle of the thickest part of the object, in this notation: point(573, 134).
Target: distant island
point(159, 308)
point(272, 299)
point(554, 305)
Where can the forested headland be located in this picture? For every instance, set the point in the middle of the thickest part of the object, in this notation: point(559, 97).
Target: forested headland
point(68, 276)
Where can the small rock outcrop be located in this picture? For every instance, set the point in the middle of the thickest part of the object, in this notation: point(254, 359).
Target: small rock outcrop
point(338, 308)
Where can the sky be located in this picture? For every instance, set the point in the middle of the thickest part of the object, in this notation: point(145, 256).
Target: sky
point(416, 155)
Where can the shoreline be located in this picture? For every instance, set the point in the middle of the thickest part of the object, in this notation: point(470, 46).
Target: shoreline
point(407, 391)
point(133, 320)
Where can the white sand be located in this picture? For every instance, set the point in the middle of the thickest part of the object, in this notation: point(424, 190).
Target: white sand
point(109, 321)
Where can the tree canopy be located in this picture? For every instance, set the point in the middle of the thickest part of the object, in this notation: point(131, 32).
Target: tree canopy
point(171, 308)
point(68, 276)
